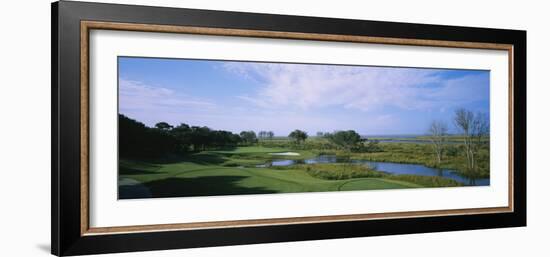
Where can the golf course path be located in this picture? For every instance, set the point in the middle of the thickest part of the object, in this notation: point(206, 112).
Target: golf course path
point(132, 187)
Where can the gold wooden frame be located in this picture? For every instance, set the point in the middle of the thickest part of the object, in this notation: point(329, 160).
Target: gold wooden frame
point(86, 26)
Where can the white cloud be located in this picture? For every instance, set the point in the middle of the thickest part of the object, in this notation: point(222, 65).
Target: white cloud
point(312, 86)
point(147, 103)
point(461, 89)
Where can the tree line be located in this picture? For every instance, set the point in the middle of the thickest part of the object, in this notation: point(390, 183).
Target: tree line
point(138, 140)
point(346, 140)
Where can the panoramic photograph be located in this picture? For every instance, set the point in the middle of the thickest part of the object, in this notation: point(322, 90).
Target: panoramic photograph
point(191, 127)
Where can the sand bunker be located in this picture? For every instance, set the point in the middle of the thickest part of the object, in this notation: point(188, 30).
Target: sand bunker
point(286, 153)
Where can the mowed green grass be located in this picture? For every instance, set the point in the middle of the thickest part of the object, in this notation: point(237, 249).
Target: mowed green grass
point(252, 149)
point(233, 172)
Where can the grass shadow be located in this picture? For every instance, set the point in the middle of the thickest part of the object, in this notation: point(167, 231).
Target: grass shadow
point(137, 167)
point(199, 186)
point(205, 158)
point(122, 170)
point(196, 157)
point(148, 166)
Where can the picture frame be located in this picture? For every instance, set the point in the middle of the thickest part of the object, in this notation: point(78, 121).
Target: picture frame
point(72, 23)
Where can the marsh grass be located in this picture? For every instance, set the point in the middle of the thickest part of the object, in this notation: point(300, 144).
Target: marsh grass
point(423, 154)
point(427, 181)
point(340, 171)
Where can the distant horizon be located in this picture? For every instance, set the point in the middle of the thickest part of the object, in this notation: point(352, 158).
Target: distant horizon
point(281, 97)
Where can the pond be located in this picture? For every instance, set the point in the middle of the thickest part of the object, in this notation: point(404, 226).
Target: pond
point(389, 167)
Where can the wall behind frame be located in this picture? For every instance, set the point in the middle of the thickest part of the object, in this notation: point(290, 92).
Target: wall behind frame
point(25, 127)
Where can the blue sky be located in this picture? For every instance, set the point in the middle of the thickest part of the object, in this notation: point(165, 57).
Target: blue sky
point(237, 96)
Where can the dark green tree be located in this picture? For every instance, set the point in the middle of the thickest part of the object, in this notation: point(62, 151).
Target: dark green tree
point(248, 137)
point(299, 136)
point(163, 126)
point(138, 140)
point(345, 140)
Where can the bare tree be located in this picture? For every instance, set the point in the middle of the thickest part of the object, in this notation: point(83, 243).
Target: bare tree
point(480, 128)
point(473, 128)
point(464, 120)
point(270, 135)
point(438, 132)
